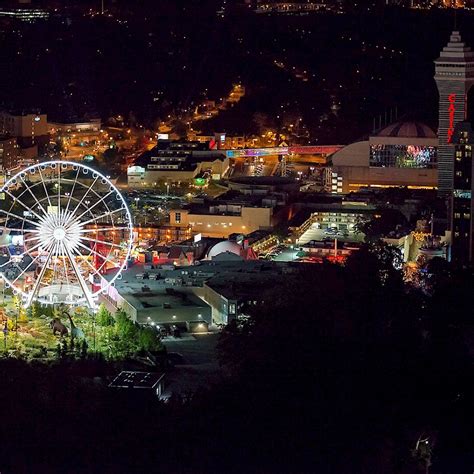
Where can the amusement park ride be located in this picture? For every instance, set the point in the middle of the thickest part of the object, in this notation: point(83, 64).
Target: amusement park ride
point(63, 227)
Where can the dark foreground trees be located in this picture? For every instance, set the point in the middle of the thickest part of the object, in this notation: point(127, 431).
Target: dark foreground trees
point(341, 370)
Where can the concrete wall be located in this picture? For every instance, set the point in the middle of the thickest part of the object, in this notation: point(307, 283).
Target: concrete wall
point(355, 154)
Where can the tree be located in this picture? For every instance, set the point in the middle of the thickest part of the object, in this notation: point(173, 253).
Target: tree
point(111, 155)
point(384, 223)
point(104, 318)
point(148, 339)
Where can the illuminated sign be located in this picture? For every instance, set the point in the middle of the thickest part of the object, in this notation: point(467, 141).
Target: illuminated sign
point(451, 110)
point(199, 181)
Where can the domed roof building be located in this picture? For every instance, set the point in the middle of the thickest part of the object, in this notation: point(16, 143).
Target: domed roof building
point(229, 250)
point(400, 154)
point(406, 130)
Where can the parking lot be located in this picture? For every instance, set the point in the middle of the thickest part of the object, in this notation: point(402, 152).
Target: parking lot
point(313, 233)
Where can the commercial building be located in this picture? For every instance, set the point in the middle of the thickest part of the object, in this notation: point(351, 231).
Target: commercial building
point(401, 154)
point(310, 223)
point(9, 152)
point(30, 129)
point(225, 216)
point(462, 244)
point(261, 185)
point(177, 162)
point(92, 125)
point(454, 77)
point(220, 141)
point(155, 303)
point(230, 294)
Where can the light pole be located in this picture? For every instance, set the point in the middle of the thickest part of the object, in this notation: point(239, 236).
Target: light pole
point(137, 199)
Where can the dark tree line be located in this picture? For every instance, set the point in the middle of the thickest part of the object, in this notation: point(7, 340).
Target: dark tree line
point(340, 370)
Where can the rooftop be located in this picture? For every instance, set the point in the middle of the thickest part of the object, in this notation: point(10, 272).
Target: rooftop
point(407, 130)
point(132, 379)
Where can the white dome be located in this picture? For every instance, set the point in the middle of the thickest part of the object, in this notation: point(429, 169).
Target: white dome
point(225, 246)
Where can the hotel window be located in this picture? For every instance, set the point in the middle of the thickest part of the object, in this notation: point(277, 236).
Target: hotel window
point(467, 215)
point(178, 217)
point(457, 215)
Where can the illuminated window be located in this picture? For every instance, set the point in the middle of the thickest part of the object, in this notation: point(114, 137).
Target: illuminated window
point(457, 215)
point(402, 156)
point(459, 173)
point(178, 217)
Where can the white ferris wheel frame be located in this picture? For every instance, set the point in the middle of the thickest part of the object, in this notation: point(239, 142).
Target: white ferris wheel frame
point(89, 296)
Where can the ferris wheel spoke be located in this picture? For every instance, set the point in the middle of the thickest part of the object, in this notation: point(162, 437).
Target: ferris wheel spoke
point(72, 191)
point(15, 199)
point(85, 195)
point(101, 242)
point(26, 269)
point(44, 186)
point(79, 276)
point(94, 205)
point(33, 196)
point(97, 254)
point(103, 229)
point(32, 239)
point(59, 189)
point(63, 256)
point(16, 216)
point(56, 259)
point(106, 214)
point(39, 279)
point(94, 270)
point(26, 231)
point(46, 244)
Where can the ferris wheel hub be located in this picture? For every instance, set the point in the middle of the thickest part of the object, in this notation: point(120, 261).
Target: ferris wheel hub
point(59, 233)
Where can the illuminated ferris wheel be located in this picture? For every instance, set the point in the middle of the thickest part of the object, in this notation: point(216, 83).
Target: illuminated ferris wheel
point(66, 233)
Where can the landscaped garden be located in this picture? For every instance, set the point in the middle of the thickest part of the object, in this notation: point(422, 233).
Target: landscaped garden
point(47, 333)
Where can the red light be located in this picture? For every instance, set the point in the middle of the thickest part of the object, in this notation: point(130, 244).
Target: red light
point(451, 110)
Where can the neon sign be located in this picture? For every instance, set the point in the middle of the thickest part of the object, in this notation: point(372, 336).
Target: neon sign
point(451, 110)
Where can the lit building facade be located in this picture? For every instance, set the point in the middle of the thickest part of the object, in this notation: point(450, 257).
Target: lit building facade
point(8, 152)
point(30, 129)
point(222, 220)
point(454, 77)
point(401, 154)
point(462, 248)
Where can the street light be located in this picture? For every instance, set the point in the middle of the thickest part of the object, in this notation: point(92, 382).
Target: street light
point(136, 201)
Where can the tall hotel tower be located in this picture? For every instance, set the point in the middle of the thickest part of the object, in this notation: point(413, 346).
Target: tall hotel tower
point(454, 77)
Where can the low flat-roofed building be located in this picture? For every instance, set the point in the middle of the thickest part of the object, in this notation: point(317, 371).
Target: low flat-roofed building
point(147, 381)
point(154, 306)
point(92, 125)
point(227, 215)
point(229, 294)
point(177, 161)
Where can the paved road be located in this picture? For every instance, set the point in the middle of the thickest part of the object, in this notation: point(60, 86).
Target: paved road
point(200, 368)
